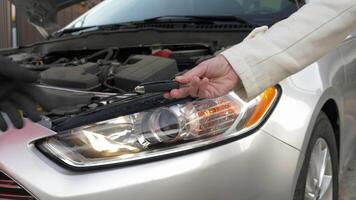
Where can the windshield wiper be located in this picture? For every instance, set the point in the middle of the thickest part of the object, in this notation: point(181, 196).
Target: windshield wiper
point(198, 19)
point(160, 19)
point(80, 30)
point(71, 30)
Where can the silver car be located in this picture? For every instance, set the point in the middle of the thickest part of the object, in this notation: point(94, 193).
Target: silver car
point(103, 141)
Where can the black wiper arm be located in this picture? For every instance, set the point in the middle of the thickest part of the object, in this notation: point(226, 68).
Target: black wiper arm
point(80, 30)
point(173, 18)
point(132, 24)
point(226, 19)
point(71, 30)
point(201, 19)
point(161, 19)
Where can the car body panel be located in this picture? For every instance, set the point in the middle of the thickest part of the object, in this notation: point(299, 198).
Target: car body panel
point(242, 169)
point(348, 52)
point(303, 96)
point(305, 93)
point(263, 165)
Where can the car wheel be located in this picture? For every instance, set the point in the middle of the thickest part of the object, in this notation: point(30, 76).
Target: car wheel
point(318, 179)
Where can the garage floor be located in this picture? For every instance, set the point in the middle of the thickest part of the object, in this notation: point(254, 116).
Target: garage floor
point(348, 182)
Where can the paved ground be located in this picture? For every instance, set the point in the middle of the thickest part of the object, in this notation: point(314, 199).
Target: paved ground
point(348, 182)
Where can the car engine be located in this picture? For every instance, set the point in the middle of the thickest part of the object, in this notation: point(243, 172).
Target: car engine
point(111, 69)
point(95, 81)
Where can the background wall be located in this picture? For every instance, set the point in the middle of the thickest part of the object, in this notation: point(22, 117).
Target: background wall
point(25, 32)
point(5, 24)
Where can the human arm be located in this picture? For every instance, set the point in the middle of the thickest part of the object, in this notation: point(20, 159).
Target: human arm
point(286, 48)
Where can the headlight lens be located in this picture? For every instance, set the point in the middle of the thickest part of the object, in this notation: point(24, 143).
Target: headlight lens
point(158, 132)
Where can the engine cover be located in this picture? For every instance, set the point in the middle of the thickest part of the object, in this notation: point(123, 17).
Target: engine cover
point(83, 77)
point(140, 68)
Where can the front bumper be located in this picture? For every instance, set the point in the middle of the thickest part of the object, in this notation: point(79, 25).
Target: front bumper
point(258, 167)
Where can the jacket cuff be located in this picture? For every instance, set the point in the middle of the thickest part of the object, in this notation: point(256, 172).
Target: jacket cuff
point(249, 88)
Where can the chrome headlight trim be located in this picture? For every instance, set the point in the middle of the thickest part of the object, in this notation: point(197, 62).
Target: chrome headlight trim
point(172, 151)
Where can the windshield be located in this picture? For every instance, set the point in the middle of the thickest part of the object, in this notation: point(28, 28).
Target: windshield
point(120, 11)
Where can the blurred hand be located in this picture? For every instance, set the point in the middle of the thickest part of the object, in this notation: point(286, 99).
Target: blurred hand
point(210, 79)
point(18, 95)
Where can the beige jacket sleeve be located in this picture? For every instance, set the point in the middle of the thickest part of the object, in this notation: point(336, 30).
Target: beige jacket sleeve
point(290, 45)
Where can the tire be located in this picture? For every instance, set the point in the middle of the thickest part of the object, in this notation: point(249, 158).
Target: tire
point(323, 133)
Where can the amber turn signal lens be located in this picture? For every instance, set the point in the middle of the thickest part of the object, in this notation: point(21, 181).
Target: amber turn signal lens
point(266, 100)
point(162, 131)
point(217, 118)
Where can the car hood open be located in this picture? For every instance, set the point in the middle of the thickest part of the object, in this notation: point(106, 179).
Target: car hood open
point(42, 13)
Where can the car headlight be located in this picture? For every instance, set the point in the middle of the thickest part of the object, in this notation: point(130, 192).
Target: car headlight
point(159, 132)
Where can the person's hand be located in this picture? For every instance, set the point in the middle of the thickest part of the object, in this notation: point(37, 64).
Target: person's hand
point(18, 95)
point(210, 79)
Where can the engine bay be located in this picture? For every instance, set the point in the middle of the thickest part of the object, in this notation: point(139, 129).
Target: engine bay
point(112, 69)
point(96, 82)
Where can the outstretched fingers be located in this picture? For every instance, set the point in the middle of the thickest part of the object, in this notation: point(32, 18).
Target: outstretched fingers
point(179, 93)
point(167, 95)
point(196, 88)
point(197, 71)
point(3, 124)
point(36, 94)
point(27, 106)
point(14, 115)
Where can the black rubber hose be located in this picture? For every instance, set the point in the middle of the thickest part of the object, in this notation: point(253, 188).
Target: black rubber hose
point(109, 54)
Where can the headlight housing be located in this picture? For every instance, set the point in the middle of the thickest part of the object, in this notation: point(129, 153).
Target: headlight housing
point(159, 132)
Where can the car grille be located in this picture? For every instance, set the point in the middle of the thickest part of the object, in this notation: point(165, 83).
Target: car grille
point(10, 190)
